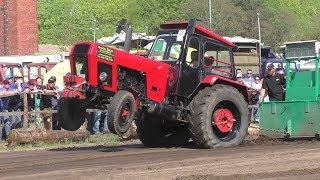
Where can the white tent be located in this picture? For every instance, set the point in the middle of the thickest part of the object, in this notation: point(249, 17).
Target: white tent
point(139, 40)
point(239, 39)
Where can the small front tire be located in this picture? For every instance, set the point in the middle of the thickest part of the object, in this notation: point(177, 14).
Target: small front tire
point(121, 112)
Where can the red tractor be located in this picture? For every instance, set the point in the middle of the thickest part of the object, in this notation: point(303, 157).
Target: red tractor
point(184, 89)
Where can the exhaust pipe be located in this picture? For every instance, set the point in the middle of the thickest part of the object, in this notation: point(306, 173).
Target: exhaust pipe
point(127, 42)
point(165, 110)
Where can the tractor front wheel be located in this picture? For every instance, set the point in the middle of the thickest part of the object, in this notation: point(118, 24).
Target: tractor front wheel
point(71, 113)
point(121, 112)
point(218, 117)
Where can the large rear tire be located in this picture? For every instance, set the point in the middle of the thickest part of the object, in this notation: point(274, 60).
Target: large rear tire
point(153, 132)
point(218, 117)
point(121, 112)
point(71, 113)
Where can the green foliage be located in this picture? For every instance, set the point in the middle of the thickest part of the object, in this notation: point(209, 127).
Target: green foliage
point(64, 22)
point(304, 13)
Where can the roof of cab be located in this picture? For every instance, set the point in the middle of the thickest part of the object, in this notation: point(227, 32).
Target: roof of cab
point(199, 30)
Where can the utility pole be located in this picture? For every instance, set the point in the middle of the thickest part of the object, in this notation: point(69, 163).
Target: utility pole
point(94, 33)
point(210, 18)
point(259, 30)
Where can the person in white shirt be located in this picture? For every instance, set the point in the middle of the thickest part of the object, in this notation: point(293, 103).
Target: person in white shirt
point(256, 87)
point(249, 80)
point(239, 78)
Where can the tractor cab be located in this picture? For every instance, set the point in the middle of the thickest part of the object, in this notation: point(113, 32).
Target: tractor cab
point(194, 52)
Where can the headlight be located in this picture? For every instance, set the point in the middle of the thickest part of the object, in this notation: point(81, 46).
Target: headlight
point(103, 76)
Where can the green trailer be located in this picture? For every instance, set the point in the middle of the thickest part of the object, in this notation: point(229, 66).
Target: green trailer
point(299, 115)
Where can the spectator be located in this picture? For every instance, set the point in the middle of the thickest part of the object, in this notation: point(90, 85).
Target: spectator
point(16, 102)
point(249, 80)
point(8, 122)
point(39, 83)
point(37, 100)
point(50, 102)
point(100, 123)
point(280, 71)
point(238, 71)
point(10, 79)
point(31, 97)
point(17, 84)
point(274, 84)
point(256, 86)
point(31, 87)
point(239, 78)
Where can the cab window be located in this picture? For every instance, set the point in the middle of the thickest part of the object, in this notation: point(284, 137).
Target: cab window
point(217, 59)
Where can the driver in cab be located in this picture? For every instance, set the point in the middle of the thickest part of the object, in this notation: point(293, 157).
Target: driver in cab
point(194, 59)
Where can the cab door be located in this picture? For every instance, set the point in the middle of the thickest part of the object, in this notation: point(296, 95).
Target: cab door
point(189, 76)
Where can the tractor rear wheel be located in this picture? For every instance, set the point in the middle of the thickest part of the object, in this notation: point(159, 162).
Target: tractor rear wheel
point(71, 113)
point(218, 117)
point(121, 112)
point(153, 132)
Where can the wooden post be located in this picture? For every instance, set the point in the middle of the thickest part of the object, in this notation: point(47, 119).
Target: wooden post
point(25, 110)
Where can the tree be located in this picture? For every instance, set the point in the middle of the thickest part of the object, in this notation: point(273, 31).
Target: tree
point(67, 21)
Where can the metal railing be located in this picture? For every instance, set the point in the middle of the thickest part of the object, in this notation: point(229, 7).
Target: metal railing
point(25, 108)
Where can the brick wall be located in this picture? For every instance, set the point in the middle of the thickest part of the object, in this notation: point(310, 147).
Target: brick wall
point(22, 27)
point(1, 28)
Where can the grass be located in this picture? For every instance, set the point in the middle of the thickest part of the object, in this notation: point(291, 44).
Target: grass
point(92, 140)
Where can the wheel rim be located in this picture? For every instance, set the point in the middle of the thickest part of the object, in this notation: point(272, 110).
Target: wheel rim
point(125, 113)
point(223, 119)
point(226, 120)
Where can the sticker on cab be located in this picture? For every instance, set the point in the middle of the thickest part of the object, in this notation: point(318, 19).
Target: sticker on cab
point(181, 34)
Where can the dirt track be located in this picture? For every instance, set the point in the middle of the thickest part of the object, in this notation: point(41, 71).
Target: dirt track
point(259, 159)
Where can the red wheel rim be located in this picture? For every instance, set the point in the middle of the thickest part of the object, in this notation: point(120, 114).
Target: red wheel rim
point(223, 119)
point(124, 114)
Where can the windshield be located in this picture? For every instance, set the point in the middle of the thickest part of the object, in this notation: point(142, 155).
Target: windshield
point(166, 47)
point(81, 66)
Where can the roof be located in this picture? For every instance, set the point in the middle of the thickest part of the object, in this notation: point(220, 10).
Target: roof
point(9, 64)
point(299, 42)
point(141, 38)
point(239, 39)
point(42, 63)
point(198, 29)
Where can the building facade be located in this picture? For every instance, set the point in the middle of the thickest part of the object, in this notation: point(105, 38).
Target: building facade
point(18, 27)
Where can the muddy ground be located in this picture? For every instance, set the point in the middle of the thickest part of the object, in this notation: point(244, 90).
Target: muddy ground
point(256, 158)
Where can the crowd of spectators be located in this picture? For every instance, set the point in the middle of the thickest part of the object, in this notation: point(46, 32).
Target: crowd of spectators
point(254, 85)
point(270, 88)
point(39, 97)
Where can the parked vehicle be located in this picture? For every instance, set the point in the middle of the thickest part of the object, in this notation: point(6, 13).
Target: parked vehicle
point(39, 69)
point(298, 115)
point(10, 69)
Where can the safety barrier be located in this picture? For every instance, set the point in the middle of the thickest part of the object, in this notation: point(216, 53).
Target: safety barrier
point(25, 113)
